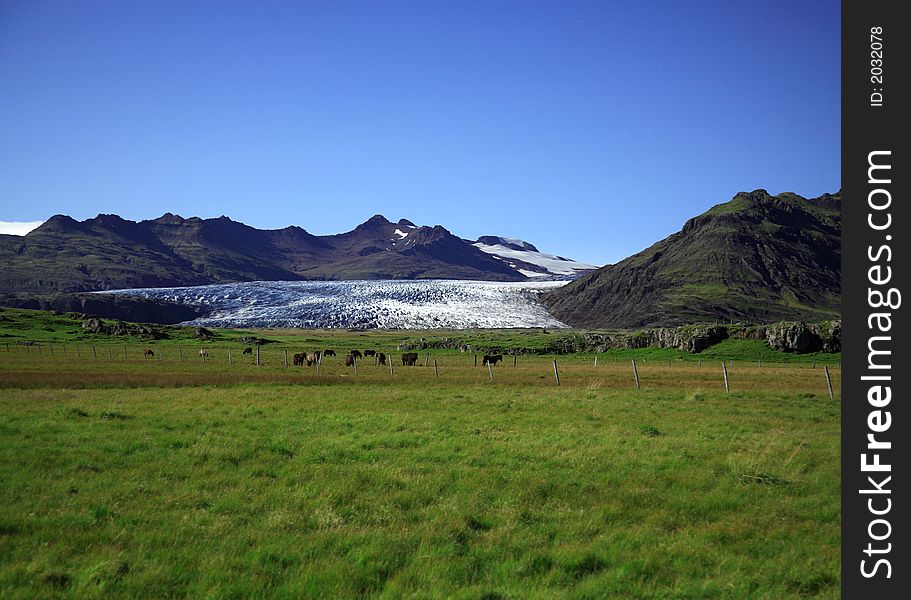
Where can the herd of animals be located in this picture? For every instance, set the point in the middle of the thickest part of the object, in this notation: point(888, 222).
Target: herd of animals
point(409, 359)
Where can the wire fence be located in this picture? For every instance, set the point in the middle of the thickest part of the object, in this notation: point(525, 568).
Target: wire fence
point(444, 365)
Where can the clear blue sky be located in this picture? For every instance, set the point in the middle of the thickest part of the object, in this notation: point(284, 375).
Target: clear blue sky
point(591, 129)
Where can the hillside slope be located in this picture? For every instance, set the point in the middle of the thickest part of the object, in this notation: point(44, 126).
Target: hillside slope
point(756, 258)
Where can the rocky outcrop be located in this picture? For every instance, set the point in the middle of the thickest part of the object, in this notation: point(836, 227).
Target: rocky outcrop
point(784, 337)
point(256, 341)
point(203, 333)
point(118, 328)
point(793, 337)
point(692, 339)
point(801, 338)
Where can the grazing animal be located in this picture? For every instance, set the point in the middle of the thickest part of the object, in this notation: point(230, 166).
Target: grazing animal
point(355, 353)
point(312, 357)
point(463, 348)
point(369, 352)
point(248, 350)
point(349, 360)
point(148, 352)
point(409, 358)
point(203, 352)
point(381, 358)
point(329, 353)
point(299, 359)
point(492, 359)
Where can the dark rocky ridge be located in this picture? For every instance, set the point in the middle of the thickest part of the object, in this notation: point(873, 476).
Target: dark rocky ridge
point(757, 258)
point(108, 252)
point(122, 308)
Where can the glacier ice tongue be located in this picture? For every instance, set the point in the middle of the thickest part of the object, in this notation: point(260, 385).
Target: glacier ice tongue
point(386, 304)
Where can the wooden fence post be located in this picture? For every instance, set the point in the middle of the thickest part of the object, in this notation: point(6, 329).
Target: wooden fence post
point(515, 358)
point(829, 383)
point(556, 372)
point(285, 350)
point(436, 371)
point(124, 352)
point(636, 373)
point(354, 360)
point(475, 358)
point(94, 353)
point(489, 370)
point(229, 356)
point(724, 369)
point(110, 356)
point(596, 360)
point(257, 356)
point(426, 358)
point(180, 351)
point(391, 372)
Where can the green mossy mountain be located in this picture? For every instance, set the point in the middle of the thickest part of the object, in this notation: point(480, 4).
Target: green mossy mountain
point(757, 258)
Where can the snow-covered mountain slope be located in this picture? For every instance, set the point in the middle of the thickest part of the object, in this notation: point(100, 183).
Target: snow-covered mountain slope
point(528, 260)
point(389, 304)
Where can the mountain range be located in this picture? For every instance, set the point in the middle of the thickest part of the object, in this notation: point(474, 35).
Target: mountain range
point(64, 255)
point(757, 258)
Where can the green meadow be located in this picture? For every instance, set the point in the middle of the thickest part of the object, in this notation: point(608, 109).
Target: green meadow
point(168, 477)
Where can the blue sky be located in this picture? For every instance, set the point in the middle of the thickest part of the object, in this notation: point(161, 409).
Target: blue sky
point(591, 129)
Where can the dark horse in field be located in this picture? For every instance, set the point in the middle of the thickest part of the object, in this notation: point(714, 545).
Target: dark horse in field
point(299, 359)
point(409, 359)
point(492, 359)
point(248, 350)
point(381, 358)
point(329, 353)
point(349, 360)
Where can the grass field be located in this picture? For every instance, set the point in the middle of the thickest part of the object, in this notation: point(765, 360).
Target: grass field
point(166, 478)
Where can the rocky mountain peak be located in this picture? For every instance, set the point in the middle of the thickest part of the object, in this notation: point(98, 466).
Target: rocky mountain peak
point(169, 219)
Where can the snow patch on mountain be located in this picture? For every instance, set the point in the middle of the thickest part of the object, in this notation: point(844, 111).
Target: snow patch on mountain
point(509, 241)
point(528, 273)
point(515, 250)
point(388, 304)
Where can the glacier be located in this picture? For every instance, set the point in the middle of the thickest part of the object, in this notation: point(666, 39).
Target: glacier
point(381, 304)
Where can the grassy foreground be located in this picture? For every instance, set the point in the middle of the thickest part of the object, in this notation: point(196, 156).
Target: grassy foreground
point(417, 491)
point(122, 476)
